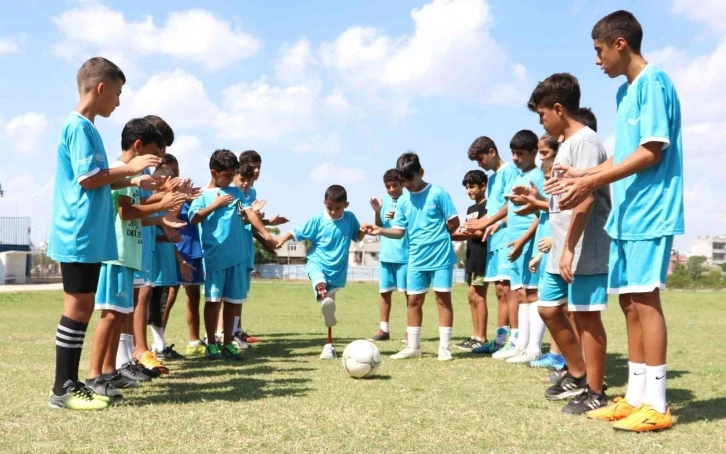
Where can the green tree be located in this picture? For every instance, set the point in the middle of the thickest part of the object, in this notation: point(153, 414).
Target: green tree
point(723, 267)
point(461, 255)
point(695, 267)
point(679, 278)
point(713, 279)
point(262, 255)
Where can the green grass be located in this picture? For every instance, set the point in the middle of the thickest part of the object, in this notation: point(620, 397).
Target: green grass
point(284, 399)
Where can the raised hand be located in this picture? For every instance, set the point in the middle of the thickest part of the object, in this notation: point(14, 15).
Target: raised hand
point(258, 205)
point(139, 163)
point(170, 185)
point(172, 221)
point(172, 234)
point(277, 220)
point(146, 182)
point(172, 200)
point(489, 231)
point(562, 179)
point(376, 205)
point(222, 200)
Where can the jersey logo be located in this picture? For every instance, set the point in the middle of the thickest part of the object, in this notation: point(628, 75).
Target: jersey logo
point(633, 121)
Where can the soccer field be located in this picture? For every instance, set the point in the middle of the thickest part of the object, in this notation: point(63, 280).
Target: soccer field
point(284, 399)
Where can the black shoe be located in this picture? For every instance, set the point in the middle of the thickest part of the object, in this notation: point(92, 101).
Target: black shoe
point(380, 336)
point(586, 401)
point(567, 386)
point(103, 387)
point(466, 345)
point(134, 372)
point(120, 381)
point(151, 373)
point(170, 354)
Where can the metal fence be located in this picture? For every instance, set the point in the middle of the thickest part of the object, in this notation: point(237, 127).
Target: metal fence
point(42, 268)
point(14, 233)
point(355, 273)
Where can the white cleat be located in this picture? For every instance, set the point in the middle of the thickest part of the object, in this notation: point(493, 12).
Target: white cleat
point(407, 353)
point(329, 352)
point(327, 307)
point(445, 355)
point(507, 352)
point(523, 357)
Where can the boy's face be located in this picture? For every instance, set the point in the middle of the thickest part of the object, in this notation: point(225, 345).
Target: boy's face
point(608, 57)
point(523, 159)
point(394, 188)
point(335, 209)
point(224, 178)
point(258, 169)
point(415, 183)
point(551, 119)
point(545, 152)
point(475, 191)
point(146, 149)
point(108, 94)
point(487, 160)
point(242, 182)
point(174, 168)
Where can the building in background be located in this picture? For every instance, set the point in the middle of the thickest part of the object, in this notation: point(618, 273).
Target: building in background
point(365, 253)
point(292, 253)
point(711, 247)
point(15, 247)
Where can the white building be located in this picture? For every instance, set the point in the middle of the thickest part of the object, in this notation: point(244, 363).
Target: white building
point(365, 253)
point(711, 247)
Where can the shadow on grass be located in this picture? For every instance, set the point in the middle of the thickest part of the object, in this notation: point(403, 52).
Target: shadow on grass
point(699, 410)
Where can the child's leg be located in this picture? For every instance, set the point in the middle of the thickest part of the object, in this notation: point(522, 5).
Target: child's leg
point(220, 319)
point(479, 313)
point(414, 316)
point(141, 313)
point(594, 344)
point(230, 311)
point(102, 335)
point(446, 318)
point(513, 309)
point(109, 362)
point(170, 300)
point(192, 313)
point(211, 313)
point(562, 332)
point(385, 310)
point(536, 329)
point(156, 315)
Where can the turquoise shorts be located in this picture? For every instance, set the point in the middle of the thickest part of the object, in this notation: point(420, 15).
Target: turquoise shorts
point(588, 292)
point(228, 284)
point(115, 290)
point(165, 265)
point(639, 266)
point(418, 282)
point(520, 275)
point(498, 266)
point(392, 277)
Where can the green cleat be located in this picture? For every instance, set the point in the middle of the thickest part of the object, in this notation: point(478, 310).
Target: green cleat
point(77, 397)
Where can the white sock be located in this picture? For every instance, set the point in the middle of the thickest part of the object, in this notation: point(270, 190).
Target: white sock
point(444, 337)
point(195, 343)
point(414, 337)
point(636, 384)
point(158, 333)
point(513, 335)
point(236, 324)
point(523, 337)
point(536, 330)
point(502, 334)
point(655, 386)
point(130, 345)
point(385, 327)
point(122, 355)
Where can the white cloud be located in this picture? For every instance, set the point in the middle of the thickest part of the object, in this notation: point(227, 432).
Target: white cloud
point(9, 46)
point(294, 61)
point(26, 132)
point(324, 144)
point(330, 173)
point(712, 12)
point(194, 35)
point(193, 158)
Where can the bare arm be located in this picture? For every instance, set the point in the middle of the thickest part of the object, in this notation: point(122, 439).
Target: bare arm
point(116, 174)
point(486, 221)
point(284, 239)
point(531, 231)
point(580, 215)
point(453, 224)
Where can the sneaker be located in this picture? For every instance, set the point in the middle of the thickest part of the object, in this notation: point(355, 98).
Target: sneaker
point(151, 373)
point(465, 345)
point(231, 353)
point(170, 354)
point(196, 350)
point(380, 336)
point(327, 307)
point(445, 355)
point(407, 353)
point(239, 342)
point(566, 386)
point(549, 361)
point(103, 387)
point(134, 372)
point(553, 377)
point(506, 352)
point(249, 339)
point(487, 348)
point(476, 344)
point(645, 419)
point(587, 401)
point(523, 357)
point(120, 381)
point(328, 352)
point(213, 353)
point(149, 361)
point(77, 397)
point(619, 409)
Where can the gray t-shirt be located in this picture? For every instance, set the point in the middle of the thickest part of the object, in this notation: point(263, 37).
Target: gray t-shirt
point(583, 150)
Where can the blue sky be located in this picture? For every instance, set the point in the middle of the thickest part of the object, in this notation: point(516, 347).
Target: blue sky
point(333, 92)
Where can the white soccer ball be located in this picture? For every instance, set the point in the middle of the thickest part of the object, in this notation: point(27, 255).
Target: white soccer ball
point(361, 359)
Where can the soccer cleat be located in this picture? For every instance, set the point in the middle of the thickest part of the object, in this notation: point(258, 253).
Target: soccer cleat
point(239, 342)
point(549, 361)
point(566, 386)
point(618, 410)
point(327, 307)
point(407, 353)
point(213, 352)
point(102, 387)
point(196, 350)
point(645, 419)
point(120, 381)
point(328, 352)
point(172, 355)
point(507, 351)
point(465, 345)
point(149, 361)
point(587, 401)
point(77, 397)
point(231, 353)
point(380, 336)
point(523, 357)
point(445, 355)
point(249, 339)
point(134, 372)
point(487, 348)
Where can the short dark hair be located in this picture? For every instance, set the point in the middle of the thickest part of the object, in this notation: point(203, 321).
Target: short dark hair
point(474, 177)
point(165, 170)
point(169, 159)
point(588, 118)
point(223, 161)
point(250, 156)
point(247, 170)
point(408, 165)
point(164, 127)
point(551, 141)
point(547, 165)
point(392, 176)
point(620, 24)
point(140, 129)
point(336, 193)
point(96, 70)
point(524, 140)
point(481, 145)
point(560, 88)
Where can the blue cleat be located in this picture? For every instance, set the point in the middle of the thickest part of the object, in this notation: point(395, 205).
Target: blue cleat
point(549, 361)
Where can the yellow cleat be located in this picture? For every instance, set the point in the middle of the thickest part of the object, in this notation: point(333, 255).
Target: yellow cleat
point(646, 419)
point(77, 397)
point(619, 409)
point(196, 351)
point(149, 361)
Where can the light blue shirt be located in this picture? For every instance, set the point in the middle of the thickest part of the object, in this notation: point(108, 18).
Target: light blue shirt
point(222, 233)
point(331, 243)
point(648, 204)
point(247, 200)
point(148, 235)
point(544, 230)
point(500, 184)
point(82, 227)
point(517, 225)
point(424, 216)
point(392, 251)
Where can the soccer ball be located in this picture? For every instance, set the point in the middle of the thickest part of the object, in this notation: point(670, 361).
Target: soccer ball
point(361, 359)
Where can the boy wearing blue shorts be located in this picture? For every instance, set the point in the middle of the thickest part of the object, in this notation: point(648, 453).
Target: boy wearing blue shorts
point(218, 212)
point(330, 233)
point(577, 269)
point(429, 218)
point(484, 151)
point(393, 253)
point(646, 173)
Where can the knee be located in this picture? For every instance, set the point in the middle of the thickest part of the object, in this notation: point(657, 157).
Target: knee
point(415, 301)
point(548, 314)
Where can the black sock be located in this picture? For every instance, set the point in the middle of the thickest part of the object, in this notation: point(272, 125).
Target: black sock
point(68, 344)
